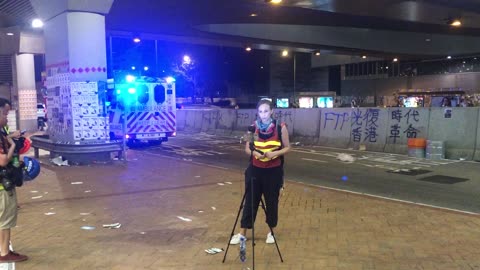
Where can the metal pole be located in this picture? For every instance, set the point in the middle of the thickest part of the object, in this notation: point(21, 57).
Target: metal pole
point(294, 76)
point(124, 133)
point(111, 56)
point(156, 59)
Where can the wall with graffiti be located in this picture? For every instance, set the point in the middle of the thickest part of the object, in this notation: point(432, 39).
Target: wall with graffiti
point(371, 129)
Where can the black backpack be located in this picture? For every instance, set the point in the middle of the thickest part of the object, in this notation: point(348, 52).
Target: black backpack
point(10, 175)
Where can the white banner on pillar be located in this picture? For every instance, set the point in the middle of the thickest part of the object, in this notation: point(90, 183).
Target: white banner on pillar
point(27, 104)
point(88, 120)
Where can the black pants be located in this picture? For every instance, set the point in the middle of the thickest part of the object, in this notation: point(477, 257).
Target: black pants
point(266, 182)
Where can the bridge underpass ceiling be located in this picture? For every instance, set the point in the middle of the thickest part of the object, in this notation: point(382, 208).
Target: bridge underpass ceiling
point(376, 27)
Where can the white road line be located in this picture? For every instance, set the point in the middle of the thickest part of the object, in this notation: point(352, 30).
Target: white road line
point(208, 165)
point(193, 162)
point(393, 199)
point(316, 160)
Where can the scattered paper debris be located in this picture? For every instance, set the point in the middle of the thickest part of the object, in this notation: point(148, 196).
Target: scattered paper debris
point(214, 208)
point(112, 226)
point(76, 183)
point(142, 232)
point(213, 250)
point(59, 161)
point(229, 183)
point(197, 176)
point(50, 213)
point(33, 191)
point(200, 211)
point(87, 191)
point(221, 184)
point(345, 157)
point(37, 197)
point(84, 214)
point(184, 219)
point(88, 228)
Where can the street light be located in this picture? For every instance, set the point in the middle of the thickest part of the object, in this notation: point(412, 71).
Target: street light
point(285, 54)
point(187, 60)
point(37, 23)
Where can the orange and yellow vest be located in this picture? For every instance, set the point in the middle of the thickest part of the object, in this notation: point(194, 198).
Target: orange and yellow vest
point(273, 143)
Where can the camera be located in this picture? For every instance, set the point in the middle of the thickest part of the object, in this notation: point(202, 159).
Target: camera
point(6, 180)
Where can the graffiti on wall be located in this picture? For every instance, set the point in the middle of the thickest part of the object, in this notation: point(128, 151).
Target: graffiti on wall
point(365, 125)
point(336, 119)
point(406, 127)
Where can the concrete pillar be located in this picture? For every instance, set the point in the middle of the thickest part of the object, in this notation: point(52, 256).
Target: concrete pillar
point(24, 96)
point(76, 66)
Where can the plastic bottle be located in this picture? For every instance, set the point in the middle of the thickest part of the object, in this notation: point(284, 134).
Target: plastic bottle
point(15, 160)
point(243, 252)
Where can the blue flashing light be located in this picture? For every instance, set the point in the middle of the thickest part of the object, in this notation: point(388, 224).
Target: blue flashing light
point(170, 79)
point(344, 178)
point(130, 78)
point(133, 67)
point(132, 90)
point(118, 92)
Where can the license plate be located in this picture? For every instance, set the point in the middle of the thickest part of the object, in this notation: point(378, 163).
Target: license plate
point(150, 135)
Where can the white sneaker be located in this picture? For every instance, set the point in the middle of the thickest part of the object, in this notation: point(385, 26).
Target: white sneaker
point(236, 239)
point(270, 239)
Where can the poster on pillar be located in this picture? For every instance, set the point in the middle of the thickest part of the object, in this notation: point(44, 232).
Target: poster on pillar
point(58, 94)
point(89, 120)
point(75, 112)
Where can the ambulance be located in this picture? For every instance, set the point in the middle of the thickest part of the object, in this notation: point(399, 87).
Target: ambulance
point(142, 109)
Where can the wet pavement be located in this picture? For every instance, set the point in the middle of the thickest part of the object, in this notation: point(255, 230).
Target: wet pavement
point(171, 210)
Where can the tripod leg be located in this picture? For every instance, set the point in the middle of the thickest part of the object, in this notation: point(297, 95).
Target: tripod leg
point(271, 231)
point(234, 225)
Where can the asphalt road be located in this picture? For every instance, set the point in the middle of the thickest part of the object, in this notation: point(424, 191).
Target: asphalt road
point(378, 174)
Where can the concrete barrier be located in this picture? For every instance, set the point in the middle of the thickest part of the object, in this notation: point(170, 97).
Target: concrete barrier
point(244, 119)
point(377, 129)
point(368, 129)
point(405, 123)
point(457, 127)
point(209, 121)
point(181, 119)
point(286, 116)
point(226, 122)
point(306, 125)
point(190, 119)
point(477, 148)
point(334, 127)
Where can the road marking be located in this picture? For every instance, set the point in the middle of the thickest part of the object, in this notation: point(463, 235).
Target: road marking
point(209, 165)
point(393, 199)
point(193, 162)
point(316, 160)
